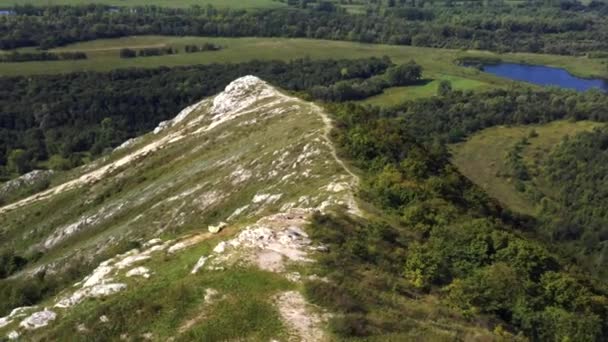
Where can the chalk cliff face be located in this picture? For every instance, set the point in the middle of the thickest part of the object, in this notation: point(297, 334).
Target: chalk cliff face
point(222, 191)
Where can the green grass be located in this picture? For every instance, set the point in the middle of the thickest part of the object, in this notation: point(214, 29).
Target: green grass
point(243, 308)
point(103, 56)
point(482, 157)
point(396, 95)
point(241, 4)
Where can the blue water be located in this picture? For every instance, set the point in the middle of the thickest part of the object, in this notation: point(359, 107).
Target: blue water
point(6, 12)
point(545, 76)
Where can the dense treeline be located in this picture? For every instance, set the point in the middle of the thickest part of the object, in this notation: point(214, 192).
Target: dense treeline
point(450, 240)
point(577, 211)
point(400, 75)
point(202, 48)
point(147, 52)
point(63, 119)
point(40, 56)
point(452, 117)
point(502, 28)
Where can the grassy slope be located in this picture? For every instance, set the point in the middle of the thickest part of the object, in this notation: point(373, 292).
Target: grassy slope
point(243, 311)
point(204, 161)
point(164, 3)
point(482, 157)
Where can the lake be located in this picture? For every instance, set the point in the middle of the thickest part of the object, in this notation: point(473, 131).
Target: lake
point(545, 76)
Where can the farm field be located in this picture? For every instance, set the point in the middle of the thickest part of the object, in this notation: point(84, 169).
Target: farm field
point(483, 156)
point(241, 4)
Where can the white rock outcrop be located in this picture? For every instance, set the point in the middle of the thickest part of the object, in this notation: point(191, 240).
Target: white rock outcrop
point(199, 265)
point(139, 272)
point(217, 228)
point(238, 96)
point(38, 320)
point(15, 313)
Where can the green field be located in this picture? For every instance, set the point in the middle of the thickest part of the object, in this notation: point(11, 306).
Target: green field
point(164, 3)
point(438, 64)
point(483, 156)
point(396, 95)
point(104, 55)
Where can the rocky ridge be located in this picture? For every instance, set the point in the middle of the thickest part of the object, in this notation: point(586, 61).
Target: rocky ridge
point(251, 153)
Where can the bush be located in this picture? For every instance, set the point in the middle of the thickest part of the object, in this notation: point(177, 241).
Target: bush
point(128, 53)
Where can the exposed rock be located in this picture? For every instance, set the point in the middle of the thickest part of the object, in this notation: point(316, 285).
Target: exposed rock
point(269, 242)
point(199, 264)
point(15, 313)
point(128, 261)
point(104, 319)
point(128, 144)
point(98, 276)
point(139, 272)
point(239, 95)
point(240, 175)
point(38, 320)
point(105, 290)
point(153, 242)
point(220, 248)
point(211, 295)
point(294, 277)
point(266, 198)
point(337, 187)
point(96, 291)
point(238, 212)
point(13, 335)
point(217, 228)
point(29, 179)
point(4, 321)
point(179, 118)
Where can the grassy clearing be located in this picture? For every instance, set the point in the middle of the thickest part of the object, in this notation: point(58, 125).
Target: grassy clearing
point(483, 157)
point(241, 4)
point(103, 56)
point(396, 95)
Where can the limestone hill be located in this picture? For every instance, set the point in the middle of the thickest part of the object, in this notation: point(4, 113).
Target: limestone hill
point(206, 214)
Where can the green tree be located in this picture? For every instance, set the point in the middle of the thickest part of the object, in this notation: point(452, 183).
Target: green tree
point(19, 161)
point(404, 74)
point(445, 87)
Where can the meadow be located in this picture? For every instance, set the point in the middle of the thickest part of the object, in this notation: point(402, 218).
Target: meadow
point(239, 4)
point(438, 64)
point(482, 158)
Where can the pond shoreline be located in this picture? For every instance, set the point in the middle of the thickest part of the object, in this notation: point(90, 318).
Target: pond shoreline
point(544, 75)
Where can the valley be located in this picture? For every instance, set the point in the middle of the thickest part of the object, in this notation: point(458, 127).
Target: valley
point(483, 157)
point(311, 170)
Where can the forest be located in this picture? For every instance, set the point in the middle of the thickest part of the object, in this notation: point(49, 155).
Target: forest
point(60, 121)
point(459, 244)
point(42, 56)
point(569, 30)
